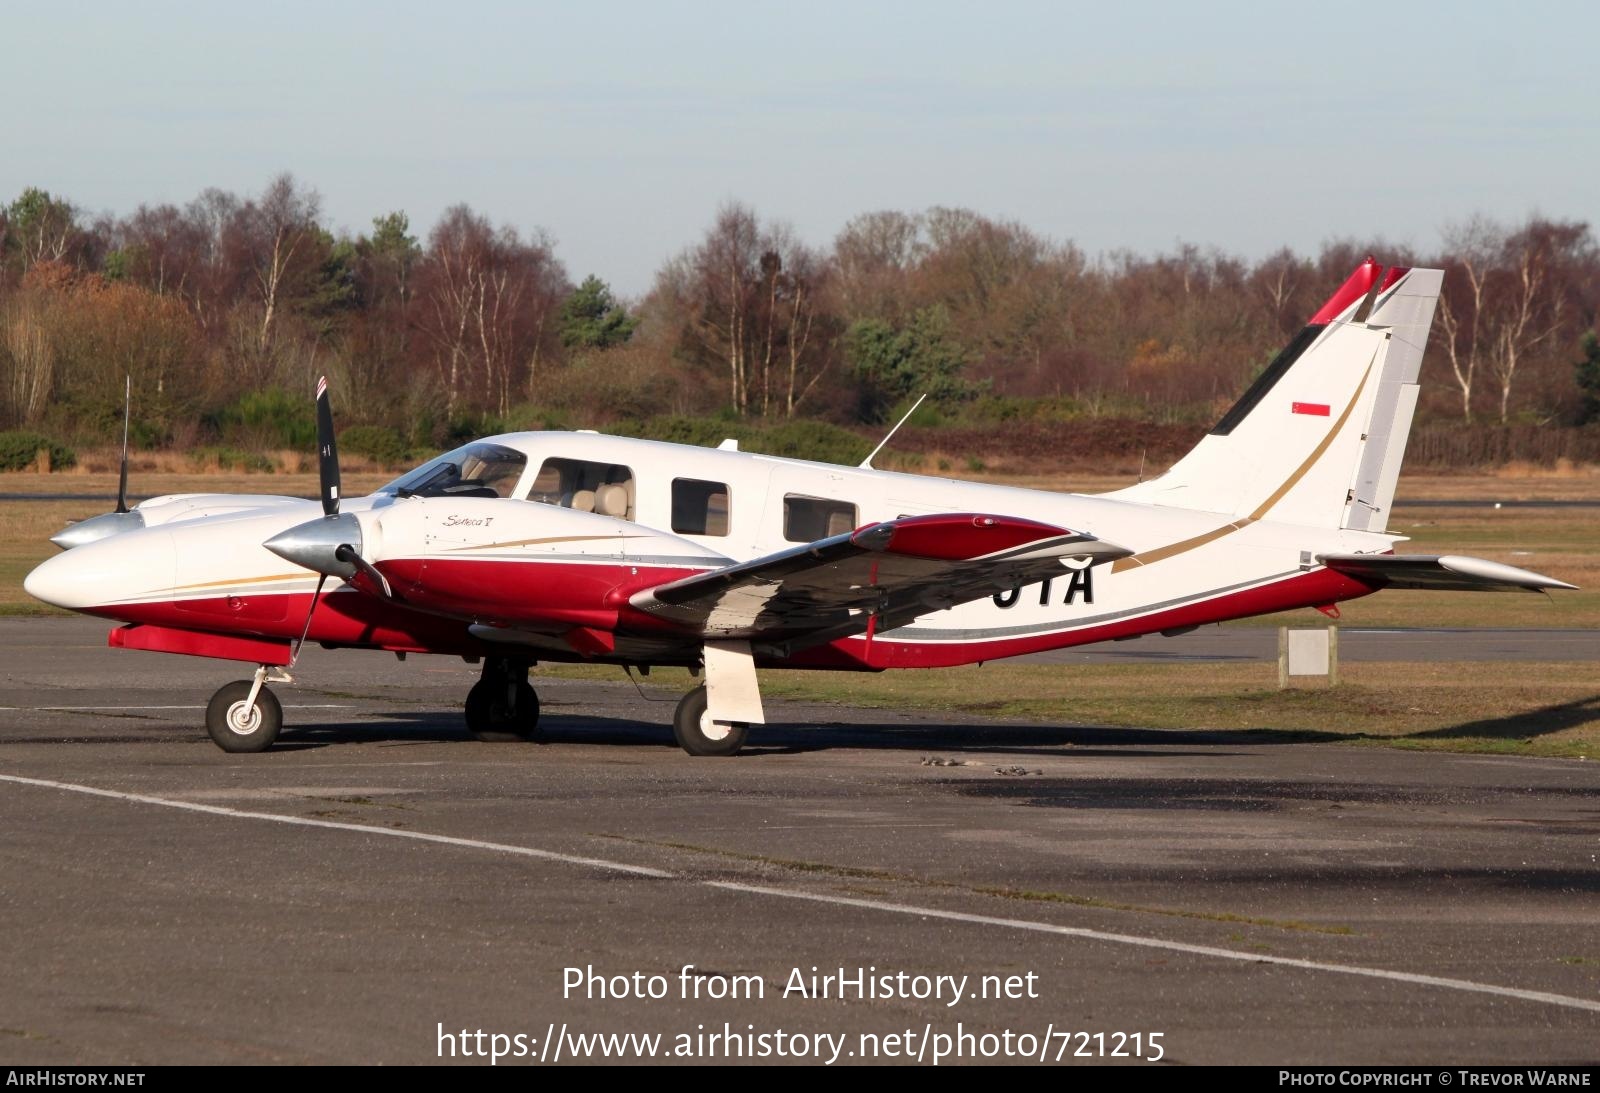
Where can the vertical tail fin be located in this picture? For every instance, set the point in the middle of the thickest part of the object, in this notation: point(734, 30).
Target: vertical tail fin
point(1318, 437)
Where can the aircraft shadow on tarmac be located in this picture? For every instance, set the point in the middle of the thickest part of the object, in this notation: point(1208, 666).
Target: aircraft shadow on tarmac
point(808, 736)
point(798, 737)
point(1544, 721)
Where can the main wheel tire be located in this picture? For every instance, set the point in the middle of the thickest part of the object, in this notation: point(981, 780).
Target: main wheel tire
point(236, 727)
point(697, 734)
point(492, 719)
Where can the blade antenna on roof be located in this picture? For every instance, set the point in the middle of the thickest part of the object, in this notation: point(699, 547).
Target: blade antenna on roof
point(866, 464)
point(127, 414)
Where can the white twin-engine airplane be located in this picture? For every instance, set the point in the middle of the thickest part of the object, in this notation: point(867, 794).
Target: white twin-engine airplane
point(583, 547)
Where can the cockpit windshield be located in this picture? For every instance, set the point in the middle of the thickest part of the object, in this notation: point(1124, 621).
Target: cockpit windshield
point(479, 469)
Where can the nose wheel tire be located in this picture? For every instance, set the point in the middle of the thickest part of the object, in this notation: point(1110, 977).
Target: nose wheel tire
point(498, 712)
point(697, 734)
point(238, 727)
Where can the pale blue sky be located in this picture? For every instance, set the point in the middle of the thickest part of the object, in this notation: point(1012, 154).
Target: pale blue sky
point(620, 127)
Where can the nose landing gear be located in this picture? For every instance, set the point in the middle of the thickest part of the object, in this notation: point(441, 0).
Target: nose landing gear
point(243, 716)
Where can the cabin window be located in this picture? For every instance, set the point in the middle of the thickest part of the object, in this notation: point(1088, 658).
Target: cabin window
point(699, 507)
point(807, 519)
point(606, 488)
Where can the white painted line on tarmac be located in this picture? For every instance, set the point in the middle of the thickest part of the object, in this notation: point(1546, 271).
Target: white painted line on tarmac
point(1169, 946)
point(90, 709)
point(364, 829)
point(1467, 985)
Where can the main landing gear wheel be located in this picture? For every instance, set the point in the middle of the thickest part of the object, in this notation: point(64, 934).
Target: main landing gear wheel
point(697, 734)
point(501, 706)
point(238, 726)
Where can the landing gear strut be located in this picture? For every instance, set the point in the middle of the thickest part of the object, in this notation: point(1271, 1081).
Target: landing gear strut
point(244, 716)
point(502, 706)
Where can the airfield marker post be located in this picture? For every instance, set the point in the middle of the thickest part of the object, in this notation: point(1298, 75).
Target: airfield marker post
point(1304, 652)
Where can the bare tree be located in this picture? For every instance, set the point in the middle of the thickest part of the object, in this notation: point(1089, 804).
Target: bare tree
point(1533, 309)
point(44, 227)
point(875, 254)
point(723, 274)
point(26, 324)
point(1277, 279)
point(165, 249)
point(749, 296)
point(282, 221)
point(1505, 297)
point(486, 303)
point(1471, 247)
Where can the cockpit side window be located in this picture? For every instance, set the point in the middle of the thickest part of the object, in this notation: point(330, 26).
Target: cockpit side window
point(606, 488)
point(473, 470)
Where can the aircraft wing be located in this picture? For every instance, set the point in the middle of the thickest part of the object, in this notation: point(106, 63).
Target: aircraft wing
point(890, 572)
point(1442, 572)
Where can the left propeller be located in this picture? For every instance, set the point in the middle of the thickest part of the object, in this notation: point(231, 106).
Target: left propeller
point(119, 519)
point(332, 545)
point(321, 545)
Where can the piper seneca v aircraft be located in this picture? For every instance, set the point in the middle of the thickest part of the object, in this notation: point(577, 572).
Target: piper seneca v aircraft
point(581, 547)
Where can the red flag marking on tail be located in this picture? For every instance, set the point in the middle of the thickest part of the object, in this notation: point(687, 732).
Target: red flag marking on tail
point(1315, 409)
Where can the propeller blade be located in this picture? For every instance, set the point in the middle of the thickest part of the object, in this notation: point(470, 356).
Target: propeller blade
point(306, 629)
point(327, 451)
point(127, 412)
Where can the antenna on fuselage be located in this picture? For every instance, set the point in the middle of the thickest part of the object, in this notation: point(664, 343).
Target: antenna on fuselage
point(866, 464)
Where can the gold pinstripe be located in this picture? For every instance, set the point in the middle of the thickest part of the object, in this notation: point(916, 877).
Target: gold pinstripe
point(1172, 550)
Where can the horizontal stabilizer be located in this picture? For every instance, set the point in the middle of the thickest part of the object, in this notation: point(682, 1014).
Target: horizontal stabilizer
point(876, 577)
point(1442, 572)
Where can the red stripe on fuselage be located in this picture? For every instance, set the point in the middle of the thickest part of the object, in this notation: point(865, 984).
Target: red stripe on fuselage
point(356, 619)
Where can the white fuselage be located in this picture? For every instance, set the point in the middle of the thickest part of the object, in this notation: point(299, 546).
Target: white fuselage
point(674, 507)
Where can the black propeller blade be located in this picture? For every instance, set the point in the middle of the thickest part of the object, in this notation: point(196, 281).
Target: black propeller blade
point(127, 412)
point(328, 476)
point(327, 451)
point(310, 612)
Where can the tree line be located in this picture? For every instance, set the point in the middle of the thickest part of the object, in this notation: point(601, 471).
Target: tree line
point(224, 311)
